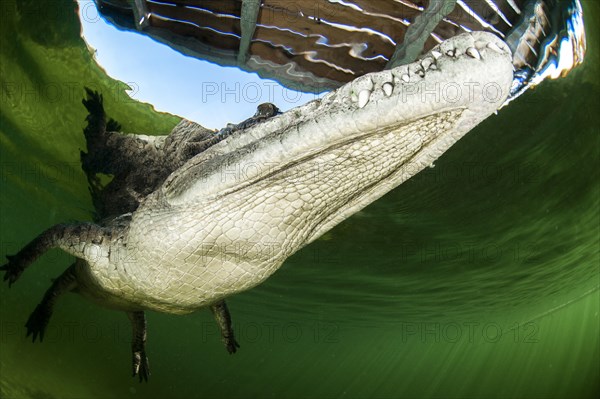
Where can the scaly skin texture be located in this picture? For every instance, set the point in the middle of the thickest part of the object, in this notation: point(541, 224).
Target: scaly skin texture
point(228, 214)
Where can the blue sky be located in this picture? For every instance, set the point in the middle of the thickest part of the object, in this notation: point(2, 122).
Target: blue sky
point(206, 93)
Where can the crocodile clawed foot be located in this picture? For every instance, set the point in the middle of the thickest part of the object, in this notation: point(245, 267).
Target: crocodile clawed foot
point(231, 345)
point(141, 367)
point(94, 102)
point(113, 126)
point(12, 270)
point(38, 320)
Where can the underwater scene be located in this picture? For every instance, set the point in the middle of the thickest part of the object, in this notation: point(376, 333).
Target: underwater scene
point(478, 277)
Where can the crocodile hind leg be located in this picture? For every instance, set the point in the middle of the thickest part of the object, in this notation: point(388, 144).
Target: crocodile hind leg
point(72, 238)
point(223, 318)
point(38, 320)
point(140, 364)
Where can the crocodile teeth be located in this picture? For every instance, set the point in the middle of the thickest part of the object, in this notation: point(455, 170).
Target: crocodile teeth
point(433, 67)
point(426, 63)
point(420, 72)
point(436, 54)
point(473, 53)
point(493, 46)
point(363, 98)
point(405, 78)
point(451, 53)
point(387, 89)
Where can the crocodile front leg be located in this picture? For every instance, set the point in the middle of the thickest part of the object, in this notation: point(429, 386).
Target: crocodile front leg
point(38, 320)
point(135, 162)
point(109, 151)
point(223, 318)
point(140, 364)
point(72, 238)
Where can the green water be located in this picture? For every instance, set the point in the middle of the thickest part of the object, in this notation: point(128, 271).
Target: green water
point(477, 278)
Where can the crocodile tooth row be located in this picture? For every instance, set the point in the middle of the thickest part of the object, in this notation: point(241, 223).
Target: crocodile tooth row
point(365, 94)
point(363, 88)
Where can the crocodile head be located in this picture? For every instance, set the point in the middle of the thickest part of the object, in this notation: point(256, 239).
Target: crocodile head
point(232, 214)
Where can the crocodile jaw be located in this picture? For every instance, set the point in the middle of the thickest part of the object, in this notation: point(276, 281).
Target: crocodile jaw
point(228, 219)
point(468, 72)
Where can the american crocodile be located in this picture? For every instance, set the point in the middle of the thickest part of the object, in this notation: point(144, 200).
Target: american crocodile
point(197, 217)
point(225, 215)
